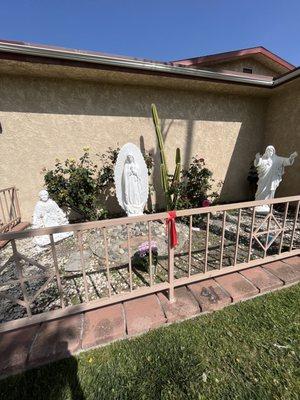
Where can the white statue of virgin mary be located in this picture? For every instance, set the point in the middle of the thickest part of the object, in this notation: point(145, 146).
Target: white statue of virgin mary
point(131, 180)
point(270, 168)
point(132, 188)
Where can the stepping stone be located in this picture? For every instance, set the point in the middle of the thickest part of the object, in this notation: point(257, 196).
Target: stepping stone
point(237, 286)
point(185, 305)
point(56, 339)
point(262, 279)
point(143, 314)
point(14, 348)
point(103, 325)
point(210, 295)
point(283, 271)
point(74, 262)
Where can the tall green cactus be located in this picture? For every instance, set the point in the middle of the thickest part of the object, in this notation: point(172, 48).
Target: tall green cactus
point(171, 200)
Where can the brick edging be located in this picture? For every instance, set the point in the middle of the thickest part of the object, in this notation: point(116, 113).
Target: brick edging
point(37, 345)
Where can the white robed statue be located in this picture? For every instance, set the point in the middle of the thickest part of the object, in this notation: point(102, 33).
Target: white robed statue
point(270, 168)
point(132, 187)
point(47, 214)
point(131, 180)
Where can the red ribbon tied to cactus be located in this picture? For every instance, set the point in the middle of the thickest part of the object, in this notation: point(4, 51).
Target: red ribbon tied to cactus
point(171, 224)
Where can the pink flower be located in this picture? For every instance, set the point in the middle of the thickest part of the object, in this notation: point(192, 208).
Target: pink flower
point(144, 248)
point(206, 203)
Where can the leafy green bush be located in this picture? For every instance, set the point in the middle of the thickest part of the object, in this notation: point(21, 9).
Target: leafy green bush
point(194, 188)
point(83, 186)
point(72, 184)
point(105, 175)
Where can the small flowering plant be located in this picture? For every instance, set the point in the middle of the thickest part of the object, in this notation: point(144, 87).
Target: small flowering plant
point(206, 203)
point(72, 184)
point(195, 188)
point(141, 257)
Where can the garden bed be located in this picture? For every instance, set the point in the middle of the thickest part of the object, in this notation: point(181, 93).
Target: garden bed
point(117, 245)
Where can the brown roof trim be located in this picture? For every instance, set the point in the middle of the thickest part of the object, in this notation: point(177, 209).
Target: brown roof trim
point(78, 51)
point(46, 54)
point(83, 64)
point(213, 58)
point(287, 77)
point(58, 56)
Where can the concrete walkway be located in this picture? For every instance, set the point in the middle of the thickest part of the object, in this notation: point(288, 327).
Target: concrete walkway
point(40, 344)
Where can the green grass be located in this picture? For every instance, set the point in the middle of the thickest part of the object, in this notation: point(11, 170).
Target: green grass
point(247, 351)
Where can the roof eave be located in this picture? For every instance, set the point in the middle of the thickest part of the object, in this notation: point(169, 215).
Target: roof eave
point(231, 55)
point(128, 63)
point(134, 64)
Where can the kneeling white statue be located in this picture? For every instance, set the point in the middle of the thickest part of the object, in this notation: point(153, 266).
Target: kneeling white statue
point(270, 168)
point(46, 214)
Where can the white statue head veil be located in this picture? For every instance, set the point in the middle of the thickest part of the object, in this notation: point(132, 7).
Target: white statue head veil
point(269, 149)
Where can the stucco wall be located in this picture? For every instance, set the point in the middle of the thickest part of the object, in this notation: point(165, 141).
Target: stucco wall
point(283, 131)
point(248, 62)
point(44, 119)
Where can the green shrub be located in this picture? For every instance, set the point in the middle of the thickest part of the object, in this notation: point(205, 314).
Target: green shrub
point(72, 184)
point(83, 186)
point(194, 188)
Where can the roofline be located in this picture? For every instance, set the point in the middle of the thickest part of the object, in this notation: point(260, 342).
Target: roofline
point(135, 64)
point(287, 77)
point(211, 58)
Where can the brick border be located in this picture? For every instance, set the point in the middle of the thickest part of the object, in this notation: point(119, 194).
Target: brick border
point(40, 344)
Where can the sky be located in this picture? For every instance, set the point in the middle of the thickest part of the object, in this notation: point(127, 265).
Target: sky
point(162, 30)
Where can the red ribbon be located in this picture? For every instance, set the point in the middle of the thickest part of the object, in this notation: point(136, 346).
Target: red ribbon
point(171, 224)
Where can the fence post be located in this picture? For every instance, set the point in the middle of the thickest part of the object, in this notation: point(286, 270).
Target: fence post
point(16, 198)
point(170, 266)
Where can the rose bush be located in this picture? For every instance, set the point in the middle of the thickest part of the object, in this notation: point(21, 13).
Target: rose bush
point(83, 186)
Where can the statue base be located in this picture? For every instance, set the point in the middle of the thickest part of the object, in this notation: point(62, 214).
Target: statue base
point(265, 209)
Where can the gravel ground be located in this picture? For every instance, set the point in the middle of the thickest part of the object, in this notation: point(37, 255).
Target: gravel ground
point(73, 287)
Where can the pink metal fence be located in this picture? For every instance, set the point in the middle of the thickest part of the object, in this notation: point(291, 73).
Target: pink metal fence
point(10, 214)
point(220, 239)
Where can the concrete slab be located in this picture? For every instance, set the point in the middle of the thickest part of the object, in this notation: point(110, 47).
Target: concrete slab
point(56, 339)
point(143, 314)
point(238, 287)
point(14, 348)
point(262, 279)
point(293, 262)
point(210, 295)
point(185, 305)
point(283, 271)
point(103, 325)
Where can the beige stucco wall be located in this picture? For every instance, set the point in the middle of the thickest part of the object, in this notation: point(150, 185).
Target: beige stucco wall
point(283, 131)
point(248, 62)
point(43, 119)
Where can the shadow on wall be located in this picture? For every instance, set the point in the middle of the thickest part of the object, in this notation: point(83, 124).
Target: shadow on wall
point(159, 198)
point(235, 186)
point(239, 166)
point(72, 97)
point(194, 109)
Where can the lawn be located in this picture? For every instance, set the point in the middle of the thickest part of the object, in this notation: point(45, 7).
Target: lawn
point(247, 351)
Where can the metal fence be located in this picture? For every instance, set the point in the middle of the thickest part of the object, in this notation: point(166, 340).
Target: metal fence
point(10, 214)
point(213, 241)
